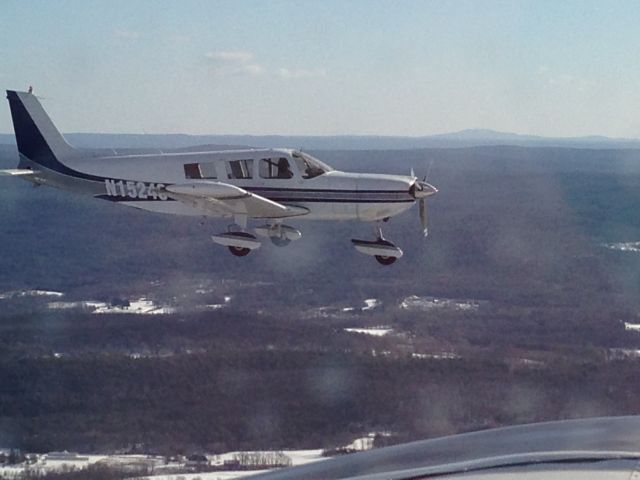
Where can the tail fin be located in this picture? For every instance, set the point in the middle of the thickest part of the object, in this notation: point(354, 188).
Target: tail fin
point(37, 137)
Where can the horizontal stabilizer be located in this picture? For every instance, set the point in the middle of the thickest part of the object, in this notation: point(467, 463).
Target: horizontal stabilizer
point(17, 171)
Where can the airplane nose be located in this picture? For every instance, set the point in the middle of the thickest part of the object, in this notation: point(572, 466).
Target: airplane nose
point(422, 189)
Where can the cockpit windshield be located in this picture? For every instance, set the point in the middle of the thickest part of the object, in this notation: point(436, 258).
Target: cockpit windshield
point(309, 166)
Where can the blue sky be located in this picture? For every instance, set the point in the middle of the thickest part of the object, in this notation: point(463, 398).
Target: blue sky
point(333, 67)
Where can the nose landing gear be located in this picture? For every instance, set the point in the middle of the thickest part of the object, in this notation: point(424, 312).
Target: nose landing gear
point(385, 252)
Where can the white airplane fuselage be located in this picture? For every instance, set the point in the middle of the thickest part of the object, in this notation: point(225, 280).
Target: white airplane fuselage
point(138, 180)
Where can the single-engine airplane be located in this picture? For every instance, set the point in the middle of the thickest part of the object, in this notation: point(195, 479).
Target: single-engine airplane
point(270, 185)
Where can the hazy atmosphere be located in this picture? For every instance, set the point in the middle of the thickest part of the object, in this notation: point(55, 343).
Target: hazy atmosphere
point(138, 344)
point(304, 67)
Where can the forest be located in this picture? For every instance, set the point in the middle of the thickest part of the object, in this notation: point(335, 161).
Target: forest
point(532, 236)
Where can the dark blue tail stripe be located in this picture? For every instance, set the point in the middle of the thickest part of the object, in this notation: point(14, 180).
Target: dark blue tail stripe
point(32, 144)
point(30, 141)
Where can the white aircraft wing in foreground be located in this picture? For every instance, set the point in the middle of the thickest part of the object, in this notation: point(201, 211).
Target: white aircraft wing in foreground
point(592, 449)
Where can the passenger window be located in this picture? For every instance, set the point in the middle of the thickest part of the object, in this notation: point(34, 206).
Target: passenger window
point(240, 169)
point(192, 170)
point(275, 168)
point(200, 170)
point(208, 170)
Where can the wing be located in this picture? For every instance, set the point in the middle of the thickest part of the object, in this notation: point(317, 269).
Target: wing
point(220, 198)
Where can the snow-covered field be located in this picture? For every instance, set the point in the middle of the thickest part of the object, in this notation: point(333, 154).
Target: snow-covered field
point(150, 304)
point(633, 247)
point(437, 356)
point(161, 469)
point(30, 293)
point(623, 353)
point(297, 457)
point(373, 331)
point(141, 306)
point(50, 463)
point(417, 303)
point(221, 475)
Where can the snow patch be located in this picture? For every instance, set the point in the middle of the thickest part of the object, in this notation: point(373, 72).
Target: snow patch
point(364, 443)
point(89, 304)
point(30, 293)
point(61, 461)
point(212, 306)
point(633, 247)
point(436, 356)
point(371, 304)
point(297, 457)
point(415, 302)
point(373, 331)
point(142, 306)
point(217, 475)
point(623, 353)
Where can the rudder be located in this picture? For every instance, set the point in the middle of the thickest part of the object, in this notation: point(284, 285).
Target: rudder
point(37, 137)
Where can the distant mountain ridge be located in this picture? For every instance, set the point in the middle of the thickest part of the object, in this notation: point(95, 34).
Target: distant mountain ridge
point(463, 138)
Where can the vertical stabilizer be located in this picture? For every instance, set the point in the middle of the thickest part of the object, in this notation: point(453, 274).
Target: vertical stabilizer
point(37, 137)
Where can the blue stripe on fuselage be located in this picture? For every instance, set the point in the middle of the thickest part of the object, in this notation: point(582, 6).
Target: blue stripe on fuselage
point(302, 195)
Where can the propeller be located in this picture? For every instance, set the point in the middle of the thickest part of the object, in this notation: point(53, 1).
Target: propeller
point(420, 191)
point(422, 205)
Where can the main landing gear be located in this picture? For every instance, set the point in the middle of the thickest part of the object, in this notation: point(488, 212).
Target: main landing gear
point(385, 252)
point(239, 243)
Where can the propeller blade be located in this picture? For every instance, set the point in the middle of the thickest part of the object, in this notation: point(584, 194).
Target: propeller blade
point(422, 205)
point(426, 177)
point(413, 175)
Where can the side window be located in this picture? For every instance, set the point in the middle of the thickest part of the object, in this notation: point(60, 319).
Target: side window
point(275, 168)
point(310, 167)
point(240, 169)
point(200, 170)
point(303, 166)
point(208, 170)
point(192, 170)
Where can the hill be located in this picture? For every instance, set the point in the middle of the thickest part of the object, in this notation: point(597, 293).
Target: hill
point(465, 138)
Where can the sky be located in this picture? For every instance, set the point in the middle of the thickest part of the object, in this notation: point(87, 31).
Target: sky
point(551, 68)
